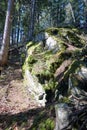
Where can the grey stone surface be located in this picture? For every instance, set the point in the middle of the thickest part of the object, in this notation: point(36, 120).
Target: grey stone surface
point(83, 73)
point(52, 44)
point(35, 88)
point(62, 115)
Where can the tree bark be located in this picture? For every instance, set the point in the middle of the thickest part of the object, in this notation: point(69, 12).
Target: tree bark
point(6, 34)
point(32, 19)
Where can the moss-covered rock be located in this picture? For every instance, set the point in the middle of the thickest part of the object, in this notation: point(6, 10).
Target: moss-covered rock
point(47, 55)
point(55, 63)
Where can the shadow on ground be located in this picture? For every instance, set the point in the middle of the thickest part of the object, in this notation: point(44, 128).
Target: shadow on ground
point(29, 120)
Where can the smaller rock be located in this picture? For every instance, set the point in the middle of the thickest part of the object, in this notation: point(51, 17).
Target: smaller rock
point(35, 88)
point(83, 73)
point(63, 112)
point(51, 44)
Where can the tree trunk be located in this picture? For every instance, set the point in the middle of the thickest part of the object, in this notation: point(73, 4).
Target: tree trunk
point(32, 18)
point(6, 35)
point(18, 23)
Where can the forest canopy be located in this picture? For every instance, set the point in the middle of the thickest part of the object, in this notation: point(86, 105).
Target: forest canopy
point(37, 15)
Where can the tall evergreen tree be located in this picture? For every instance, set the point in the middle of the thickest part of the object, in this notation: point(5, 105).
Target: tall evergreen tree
point(32, 18)
point(6, 35)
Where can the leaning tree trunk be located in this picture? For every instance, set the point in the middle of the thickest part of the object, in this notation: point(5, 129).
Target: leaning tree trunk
point(6, 35)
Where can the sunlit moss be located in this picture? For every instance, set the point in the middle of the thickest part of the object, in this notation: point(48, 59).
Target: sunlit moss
point(43, 63)
point(43, 121)
point(72, 36)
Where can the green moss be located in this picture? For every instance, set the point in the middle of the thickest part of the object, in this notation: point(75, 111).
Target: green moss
point(52, 31)
point(74, 39)
point(44, 120)
point(50, 85)
point(24, 67)
point(62, 31)
point(72, 68)
point(47, 125)
point(31, 59)
point(77, 31)
point(72, 36)
point(29, 44)
point(64, 100)
point(43, 63)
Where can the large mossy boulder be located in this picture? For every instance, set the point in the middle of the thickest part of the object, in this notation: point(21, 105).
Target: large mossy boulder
point(51, 57)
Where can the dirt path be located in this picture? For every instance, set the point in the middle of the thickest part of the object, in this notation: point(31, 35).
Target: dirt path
point(14, 97)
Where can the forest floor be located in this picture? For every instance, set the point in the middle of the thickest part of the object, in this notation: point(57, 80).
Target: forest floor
point(15, 101)
point(13, 95)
